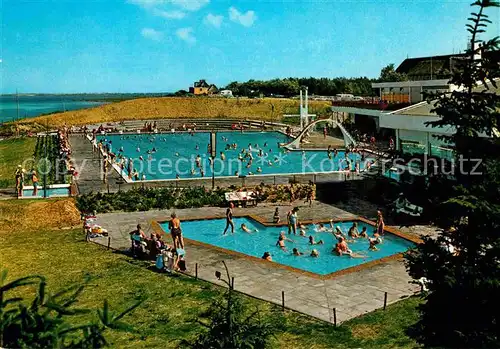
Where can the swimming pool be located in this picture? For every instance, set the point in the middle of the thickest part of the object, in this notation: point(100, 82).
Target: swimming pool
point(164, 156)
point(255, 244)
point(51, 192)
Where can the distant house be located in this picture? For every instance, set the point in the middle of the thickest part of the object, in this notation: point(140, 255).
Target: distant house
point(203, 88)
point(226, 93)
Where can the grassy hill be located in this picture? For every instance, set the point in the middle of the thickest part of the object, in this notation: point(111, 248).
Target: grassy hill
point(180, 107)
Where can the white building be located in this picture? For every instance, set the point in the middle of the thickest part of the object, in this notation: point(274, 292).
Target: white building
point(226, 93)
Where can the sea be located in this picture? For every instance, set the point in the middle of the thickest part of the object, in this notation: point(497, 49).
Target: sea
point(39, 104)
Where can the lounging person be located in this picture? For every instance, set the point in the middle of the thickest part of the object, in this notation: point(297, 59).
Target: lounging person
point(276, 217)
point(296, 252)
point(312, 242)
point(137, 236)
point(353, 230)
point(229, 219)
point(292, 220)
point(314, 253)
point(267, 256)
point(376, 240)
point(175, 229)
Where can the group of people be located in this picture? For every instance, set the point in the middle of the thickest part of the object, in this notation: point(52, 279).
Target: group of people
point(168, 257)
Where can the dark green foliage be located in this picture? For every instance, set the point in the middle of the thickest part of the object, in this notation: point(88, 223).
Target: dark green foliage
point(389, 74)
point(461, 308)
point(145, 199)
point(289, 87)
point(230, 324)
point(48, 161)
point(45, 321)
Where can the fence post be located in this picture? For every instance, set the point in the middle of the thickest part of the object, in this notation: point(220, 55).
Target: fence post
point(335, 317)
point(283, 300)
point(196, 271)
point(385, 300)
point(109, 242)
point(232, 282)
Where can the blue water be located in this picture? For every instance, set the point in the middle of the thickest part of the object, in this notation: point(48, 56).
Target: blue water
point(176, 153)
point(50, 192)
point(30, 106)
point(255, 244)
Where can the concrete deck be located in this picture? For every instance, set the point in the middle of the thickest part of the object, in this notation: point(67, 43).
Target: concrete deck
point(351, 295)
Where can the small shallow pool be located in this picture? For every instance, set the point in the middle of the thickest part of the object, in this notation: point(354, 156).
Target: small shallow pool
point(51, 192)
point(255, 244)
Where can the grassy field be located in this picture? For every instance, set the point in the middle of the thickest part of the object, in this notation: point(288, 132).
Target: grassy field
point(179, 107)
point(48, 246)
point(14, 152)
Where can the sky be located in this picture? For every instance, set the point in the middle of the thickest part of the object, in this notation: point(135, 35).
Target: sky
point(71, 46)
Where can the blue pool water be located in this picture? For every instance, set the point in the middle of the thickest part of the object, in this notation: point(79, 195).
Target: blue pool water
point(255, 244)
point(50, 192)
point(176, 153)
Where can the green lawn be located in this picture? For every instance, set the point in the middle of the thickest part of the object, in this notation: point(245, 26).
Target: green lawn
point(173, 302)
point(14, 152)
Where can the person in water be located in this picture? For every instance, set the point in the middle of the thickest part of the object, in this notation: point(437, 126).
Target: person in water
point(246, 229)
point(363, 233)
point(353, 230)
point(296, 252)
point(229, 219)
point(376, 240)
point(267, 257)
point(312, 242)
point(314, 253)
point(292, 220)
point(281, 241)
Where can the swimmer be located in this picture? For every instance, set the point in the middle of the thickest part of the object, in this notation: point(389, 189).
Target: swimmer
point(312, 242)
point(281, 241)
point(193, 172)
point(176, 154)
point(341, 248)
point(376, 240)
point(269, 163)
point(246, 229)
point(296, 252)
point(314, 253)
point(143, 177)
point(138, 150)
point(320, 228)
point(265, 144)
point(197, 147)
point(353, 230)
point(121, 149)
point(177, 176)
point(202, 173)
point(259, 170)
point(236, 173)
point(267, 257)
point(222, 156)
point(302, 233)
point(141, 158)
point(363, 233)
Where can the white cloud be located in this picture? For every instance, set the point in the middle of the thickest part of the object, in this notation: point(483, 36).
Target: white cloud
point(175, 14)
point(190, 5)
point(152, 34)
point(215, 20)
point(186, 34)
point(245, 19)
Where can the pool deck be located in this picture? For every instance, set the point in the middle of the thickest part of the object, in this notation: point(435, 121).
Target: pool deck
point(351, 294)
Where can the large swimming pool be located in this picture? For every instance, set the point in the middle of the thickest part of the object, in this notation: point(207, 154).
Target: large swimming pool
point(172, 155)
point(255, 244)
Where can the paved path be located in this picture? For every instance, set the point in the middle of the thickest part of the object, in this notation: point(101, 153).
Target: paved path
point(351, 294)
